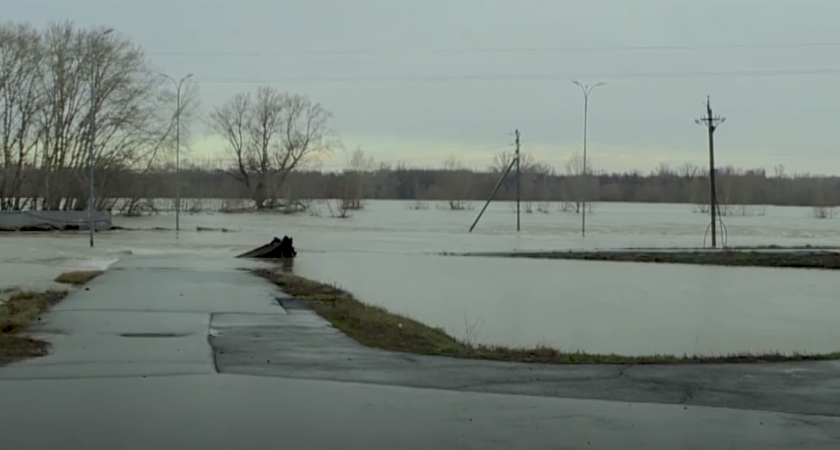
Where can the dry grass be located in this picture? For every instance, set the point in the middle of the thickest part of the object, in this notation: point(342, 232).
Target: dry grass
point(77, 278)
point(798, 259)
point(22, 308)
point(375, 327)
point(19, 310)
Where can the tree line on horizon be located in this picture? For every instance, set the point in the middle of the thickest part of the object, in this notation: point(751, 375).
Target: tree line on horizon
point(454, 187)
point(60, 82)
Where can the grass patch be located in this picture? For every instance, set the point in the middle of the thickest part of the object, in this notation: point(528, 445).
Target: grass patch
point(77, 278)
point(21, 308)
point(794, 259)
point(16, 313)
point(376, 327)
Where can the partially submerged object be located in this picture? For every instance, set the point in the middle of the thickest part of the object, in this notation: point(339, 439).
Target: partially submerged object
point(276, 249)
point(32, 220)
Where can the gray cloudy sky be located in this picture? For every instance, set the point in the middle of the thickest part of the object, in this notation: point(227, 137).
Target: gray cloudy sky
point(417, 80)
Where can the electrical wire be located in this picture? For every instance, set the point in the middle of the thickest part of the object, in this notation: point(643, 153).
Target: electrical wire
point(529, 77)
point(508, 77)
point(491, 51)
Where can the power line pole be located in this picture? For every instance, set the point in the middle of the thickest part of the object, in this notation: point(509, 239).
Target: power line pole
point(518, 180)
point(711, 122)
point(586, 89)
point(513, 162)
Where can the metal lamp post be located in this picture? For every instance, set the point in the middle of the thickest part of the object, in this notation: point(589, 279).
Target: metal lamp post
point(94, 86)
point(178, 84)
point(586, 89)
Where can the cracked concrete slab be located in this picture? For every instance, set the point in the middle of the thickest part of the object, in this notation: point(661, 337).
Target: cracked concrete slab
point(108, 343)
point(173, 290)
point(145, 319)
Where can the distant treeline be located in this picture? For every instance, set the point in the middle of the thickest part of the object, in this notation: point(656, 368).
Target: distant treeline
point(687, 184)
point(665, 185)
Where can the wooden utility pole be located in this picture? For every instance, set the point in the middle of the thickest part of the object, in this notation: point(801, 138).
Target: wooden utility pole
point(513, 162)
point(518, 181)
point(711, 122)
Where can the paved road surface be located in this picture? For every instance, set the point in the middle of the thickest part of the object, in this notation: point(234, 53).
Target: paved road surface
point(137, 358)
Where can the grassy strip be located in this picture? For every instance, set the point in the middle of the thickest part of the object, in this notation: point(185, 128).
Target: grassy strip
point(376, 327)
point(738, 258)
point(22, 308)
point(19, 310)
point(77, 278)
point(741, 247)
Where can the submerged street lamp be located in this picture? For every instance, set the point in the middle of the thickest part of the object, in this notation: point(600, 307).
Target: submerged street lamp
point(586, 89)
point(94, 87)
point(178, 84)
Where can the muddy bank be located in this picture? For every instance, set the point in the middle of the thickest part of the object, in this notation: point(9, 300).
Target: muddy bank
point(799, 259)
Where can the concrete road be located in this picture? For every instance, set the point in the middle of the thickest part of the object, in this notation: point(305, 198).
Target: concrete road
point(241, 412)
point(175, 352)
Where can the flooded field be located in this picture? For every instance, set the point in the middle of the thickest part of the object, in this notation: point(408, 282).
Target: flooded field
point(386, 255)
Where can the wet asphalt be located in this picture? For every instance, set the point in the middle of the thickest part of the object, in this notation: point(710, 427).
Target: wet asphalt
point(182, 352)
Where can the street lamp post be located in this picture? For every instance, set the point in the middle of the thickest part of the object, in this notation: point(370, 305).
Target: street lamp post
point(586, 89)
point(94, 86)
point(178, 84)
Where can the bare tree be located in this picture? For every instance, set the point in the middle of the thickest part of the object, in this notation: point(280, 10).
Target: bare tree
point(825, 199)
point(580, 187)
point(46, 81)
point(301, 188)
point(356, 179)
point(20, 103)
point(737, 191)
point(527, 172)
point(535, 186)
point(456, 184)
point(502, 160)
point(161, 162)
point(696, 178)
point(541, 186)
point(420, 197)
point(269, 135)
point(342, 205)
point(381, 181)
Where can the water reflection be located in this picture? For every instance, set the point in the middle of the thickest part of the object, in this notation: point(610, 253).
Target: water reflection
point(597, 306)
point(287, 265)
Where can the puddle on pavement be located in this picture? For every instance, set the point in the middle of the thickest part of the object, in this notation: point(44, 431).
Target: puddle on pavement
point(153, 335)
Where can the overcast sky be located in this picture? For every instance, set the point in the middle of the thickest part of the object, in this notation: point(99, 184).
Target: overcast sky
point(417, 80)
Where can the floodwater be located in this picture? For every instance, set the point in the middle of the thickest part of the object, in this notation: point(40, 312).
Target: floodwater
point(386, 255)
